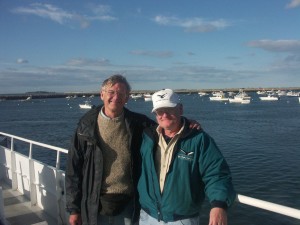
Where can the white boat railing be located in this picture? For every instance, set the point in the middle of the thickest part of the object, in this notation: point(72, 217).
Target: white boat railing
point(19, 168)
point(284, 210)
point(41, 183)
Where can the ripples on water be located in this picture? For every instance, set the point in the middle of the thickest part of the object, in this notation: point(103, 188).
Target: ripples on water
point(260, 141)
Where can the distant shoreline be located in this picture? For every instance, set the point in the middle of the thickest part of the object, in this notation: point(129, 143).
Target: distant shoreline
point(45, 94)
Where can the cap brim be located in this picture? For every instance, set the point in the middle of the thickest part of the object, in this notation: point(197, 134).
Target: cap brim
point(170, 105)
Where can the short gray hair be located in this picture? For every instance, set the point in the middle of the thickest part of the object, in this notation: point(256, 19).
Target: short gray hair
point(117, 78)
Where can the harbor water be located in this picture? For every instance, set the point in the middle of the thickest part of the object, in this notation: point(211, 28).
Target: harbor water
point(260, 141)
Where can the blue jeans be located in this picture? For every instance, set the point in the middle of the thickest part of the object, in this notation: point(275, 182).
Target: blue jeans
point(146, 219)
point(124, 218)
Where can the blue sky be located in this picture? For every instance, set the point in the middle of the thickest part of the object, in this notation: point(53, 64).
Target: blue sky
point(73, 45)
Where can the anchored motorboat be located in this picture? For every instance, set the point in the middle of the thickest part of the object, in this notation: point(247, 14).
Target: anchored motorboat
point(86, 105)
point(147, 97)
point(269, 98)
point(218, 97)
point(136, 96)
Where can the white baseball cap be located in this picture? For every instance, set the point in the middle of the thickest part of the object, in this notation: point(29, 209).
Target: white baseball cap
point(164, 98)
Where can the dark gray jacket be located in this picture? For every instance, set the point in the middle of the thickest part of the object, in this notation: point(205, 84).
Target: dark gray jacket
point(85, 164)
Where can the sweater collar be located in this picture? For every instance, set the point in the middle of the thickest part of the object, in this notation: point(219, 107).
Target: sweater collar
point(101, 113)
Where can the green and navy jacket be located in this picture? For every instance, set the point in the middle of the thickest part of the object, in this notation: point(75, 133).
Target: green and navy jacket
point(198, 168)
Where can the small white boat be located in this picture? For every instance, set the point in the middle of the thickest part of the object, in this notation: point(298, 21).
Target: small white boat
point(217, 93)
point(218, 97)
point(261, 92)
point(147, 97)
point(281, 93)
point(86, 105)
point(136, 96)
point(242, 94)
point(241, 100)
point(27, 99)
point(269, 98)
point(245, 101)
point(292, 94)
point(202, 93)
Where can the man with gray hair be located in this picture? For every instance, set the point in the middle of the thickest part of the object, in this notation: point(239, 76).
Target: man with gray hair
point(103, 164)
point(179, 166)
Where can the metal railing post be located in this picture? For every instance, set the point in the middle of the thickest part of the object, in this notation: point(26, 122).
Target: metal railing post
point(32, 184)
point(14, 176)
point(59, 190)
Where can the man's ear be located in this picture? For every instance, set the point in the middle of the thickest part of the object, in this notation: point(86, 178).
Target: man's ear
point(101, 95)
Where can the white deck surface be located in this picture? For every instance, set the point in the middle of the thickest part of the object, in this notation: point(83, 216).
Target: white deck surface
point(18, 209)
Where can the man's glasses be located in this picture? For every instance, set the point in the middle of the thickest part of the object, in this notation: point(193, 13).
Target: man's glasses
point(169, 111)
point(112, 93)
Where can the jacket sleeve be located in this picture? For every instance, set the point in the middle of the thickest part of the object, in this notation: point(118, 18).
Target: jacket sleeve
point(216, 175)
point(73, 177)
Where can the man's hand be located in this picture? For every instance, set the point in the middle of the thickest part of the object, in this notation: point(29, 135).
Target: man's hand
point(75, 219)
point(218, 216)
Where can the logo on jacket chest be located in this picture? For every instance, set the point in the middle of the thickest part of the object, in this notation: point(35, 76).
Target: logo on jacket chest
point(185, 155)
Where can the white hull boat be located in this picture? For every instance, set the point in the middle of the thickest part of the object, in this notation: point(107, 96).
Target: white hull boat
point(293, 94)
point(136, 96)
point(86, 105)
point(281, 93)
point(239, 100)
point(242, 94)
point(216, 98)
point(27, 99)
point(202, 94)
point(269, 98)
point(220, 97)
point(147, 97)
point(261, 92)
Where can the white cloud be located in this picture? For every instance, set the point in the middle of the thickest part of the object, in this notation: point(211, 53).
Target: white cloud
point(63, 17)
point(87, 62)
point(87, 74)
point(46, 11)
point(293, 4)
point(101, 9)
point(193, 24)
point(277, 46)
point(22, 61)
point(101, 12)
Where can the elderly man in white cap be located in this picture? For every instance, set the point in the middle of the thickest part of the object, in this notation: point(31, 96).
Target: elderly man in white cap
point(181, 165)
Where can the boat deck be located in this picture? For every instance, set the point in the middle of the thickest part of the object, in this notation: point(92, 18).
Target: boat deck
point(18, 209)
